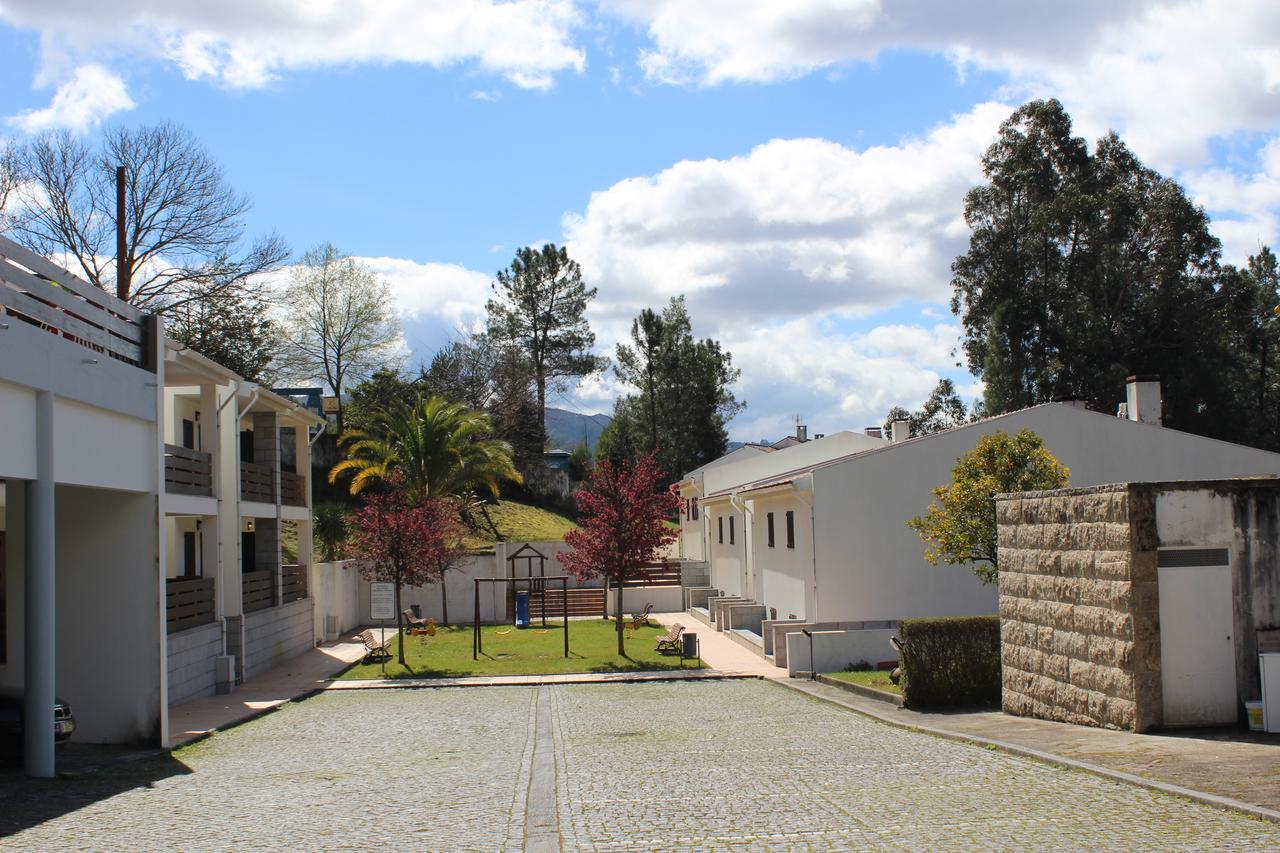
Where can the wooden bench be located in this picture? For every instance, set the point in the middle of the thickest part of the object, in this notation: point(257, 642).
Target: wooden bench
point(374, 648)
point(670, 642)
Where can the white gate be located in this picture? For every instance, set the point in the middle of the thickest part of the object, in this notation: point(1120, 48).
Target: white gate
point(1197, 652)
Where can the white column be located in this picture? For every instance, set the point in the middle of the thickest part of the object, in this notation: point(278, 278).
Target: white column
point(40, 600)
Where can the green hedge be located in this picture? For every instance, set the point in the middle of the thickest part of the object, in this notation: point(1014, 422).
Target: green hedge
point(950, 662)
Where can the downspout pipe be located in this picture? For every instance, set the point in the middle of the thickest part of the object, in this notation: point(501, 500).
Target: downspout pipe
point(806, 497)
point(739, 504)
point(253, 398)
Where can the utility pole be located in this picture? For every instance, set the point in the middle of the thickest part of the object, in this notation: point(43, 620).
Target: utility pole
point(124, 273)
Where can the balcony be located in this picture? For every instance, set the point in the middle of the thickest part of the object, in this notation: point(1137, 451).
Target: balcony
point(258, 590)
point(257, 483)
point(187, 472)
point(189, 603)
point(293, 489)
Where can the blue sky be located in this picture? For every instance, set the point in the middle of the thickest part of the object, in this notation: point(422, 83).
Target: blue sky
point(797, 169)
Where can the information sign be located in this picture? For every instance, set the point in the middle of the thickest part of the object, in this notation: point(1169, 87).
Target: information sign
point(382, 600)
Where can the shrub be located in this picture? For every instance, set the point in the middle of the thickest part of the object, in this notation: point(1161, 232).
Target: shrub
point(951, 661)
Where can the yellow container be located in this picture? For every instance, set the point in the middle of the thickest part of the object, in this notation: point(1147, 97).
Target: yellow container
point(1254, 710)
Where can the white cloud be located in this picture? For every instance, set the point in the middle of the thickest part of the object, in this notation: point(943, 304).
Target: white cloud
point(834, 381)
point(794, 228)
point(1245, 203)
point(450, 293)
point(91, 95)
point(246, 44)
point(1168, 74)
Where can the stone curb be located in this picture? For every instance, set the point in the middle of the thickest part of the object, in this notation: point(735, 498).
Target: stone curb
point(861, 690)
point(530, 680)
point(1226, 803)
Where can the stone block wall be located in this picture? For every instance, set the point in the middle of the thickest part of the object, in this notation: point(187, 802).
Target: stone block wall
point(275, 635)
point(1079, 607)
point(191, 656)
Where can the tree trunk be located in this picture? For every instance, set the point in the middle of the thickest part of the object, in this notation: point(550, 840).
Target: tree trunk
point(622, 651)
point(400, 628)
point(444, 601)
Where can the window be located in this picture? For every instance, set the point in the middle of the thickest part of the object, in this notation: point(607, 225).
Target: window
point(188, 434)
point(768, 519)
point(731, 530)
point(791, 529)
point(720, 527)
point(693, 508)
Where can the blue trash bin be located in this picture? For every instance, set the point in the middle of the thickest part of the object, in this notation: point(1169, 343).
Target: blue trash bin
point(522, 610)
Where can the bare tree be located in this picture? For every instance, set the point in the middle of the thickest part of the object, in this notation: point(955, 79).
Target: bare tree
point(184, 224)
point(10, 178)
point(341, 322)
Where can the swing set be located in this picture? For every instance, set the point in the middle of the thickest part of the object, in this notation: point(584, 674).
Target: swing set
point(534, 587)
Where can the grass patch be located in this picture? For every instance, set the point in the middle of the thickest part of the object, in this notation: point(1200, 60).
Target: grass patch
point(593, 647)
point(879, 679)
point(517, 522)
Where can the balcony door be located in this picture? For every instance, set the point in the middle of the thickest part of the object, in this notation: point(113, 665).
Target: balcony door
point(248, 552)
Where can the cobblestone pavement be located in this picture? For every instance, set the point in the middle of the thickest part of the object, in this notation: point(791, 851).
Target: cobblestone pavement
point(635, 766)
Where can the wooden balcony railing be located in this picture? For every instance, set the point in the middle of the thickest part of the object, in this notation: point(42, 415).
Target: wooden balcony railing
point(36, 291)
point(293, 583)
point(257, 483)
point(187, 472)
point(258, 590)
point(293, 489)
point(190, 603)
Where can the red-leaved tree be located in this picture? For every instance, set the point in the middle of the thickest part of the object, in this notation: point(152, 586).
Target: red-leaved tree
point(622, 509)
point(402, 543)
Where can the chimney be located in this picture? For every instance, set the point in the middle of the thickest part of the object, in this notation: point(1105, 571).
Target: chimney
point(1142, 399)
point(802, 432)
point(901, 431)
point(874, 432)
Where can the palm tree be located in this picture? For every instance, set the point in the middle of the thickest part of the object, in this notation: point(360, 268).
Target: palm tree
point(437, 448)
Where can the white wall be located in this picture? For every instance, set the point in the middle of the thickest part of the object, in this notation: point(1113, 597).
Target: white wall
point(835, 650)
point(95, 447)
point(786, 574)
point(870, 565)
point(665, 599)
point(728, 559)
point(108, 614)
point(336, 590)
point(18, 426)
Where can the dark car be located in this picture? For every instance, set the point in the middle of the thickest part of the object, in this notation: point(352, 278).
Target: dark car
point(11, 709)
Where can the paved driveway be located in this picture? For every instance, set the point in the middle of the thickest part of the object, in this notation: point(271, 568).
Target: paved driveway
point(650, 766)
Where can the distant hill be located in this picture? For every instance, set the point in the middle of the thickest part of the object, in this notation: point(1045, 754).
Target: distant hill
point(566, 429)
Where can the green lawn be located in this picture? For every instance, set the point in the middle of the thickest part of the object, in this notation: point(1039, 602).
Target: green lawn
point(879, 679)
point(593, 647)
point(518, 522)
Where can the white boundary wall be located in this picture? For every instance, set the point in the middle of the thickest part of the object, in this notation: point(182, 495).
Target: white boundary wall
point(835, 650)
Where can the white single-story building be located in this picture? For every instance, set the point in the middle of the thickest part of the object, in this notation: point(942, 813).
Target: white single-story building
point(826, 542)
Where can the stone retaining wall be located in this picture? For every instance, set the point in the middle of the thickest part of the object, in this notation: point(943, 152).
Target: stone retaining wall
point(275, 635)
point(1079, 607)
point(191, 656)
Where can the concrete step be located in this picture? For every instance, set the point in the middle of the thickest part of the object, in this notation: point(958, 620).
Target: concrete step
point(747, 639)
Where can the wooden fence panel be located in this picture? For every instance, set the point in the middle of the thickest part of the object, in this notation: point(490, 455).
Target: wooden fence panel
point(293, 583)
point(38, 291)
point(189, 603)
point(258, 590)
point(293, 489)
point(187, 472)
point(256, 483)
